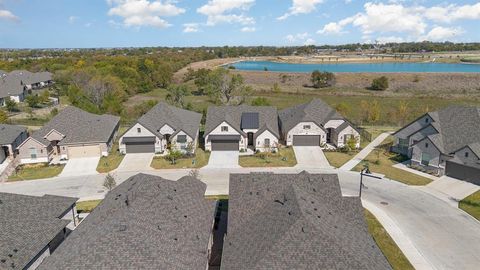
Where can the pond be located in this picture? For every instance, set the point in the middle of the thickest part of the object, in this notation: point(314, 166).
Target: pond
point(358, 67)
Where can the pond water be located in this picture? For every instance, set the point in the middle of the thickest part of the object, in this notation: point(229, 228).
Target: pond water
point(357, 67)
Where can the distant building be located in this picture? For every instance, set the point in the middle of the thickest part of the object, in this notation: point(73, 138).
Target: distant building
point(31, 228)
point(147, 222)
point(446, 141)
point(10, 138)
point(296, 221)
point(17, 84)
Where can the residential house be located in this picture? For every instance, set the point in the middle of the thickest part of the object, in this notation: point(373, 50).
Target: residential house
point(296, 221)
point(72, 133)
point(17, 84)
point(147, 222)
point(446, 141)
point(31, 228)
point(233, 128)
point(316, 123)
point(10, 138)
point(161, 127)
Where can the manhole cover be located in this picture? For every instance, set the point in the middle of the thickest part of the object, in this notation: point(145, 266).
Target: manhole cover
point(384, 203)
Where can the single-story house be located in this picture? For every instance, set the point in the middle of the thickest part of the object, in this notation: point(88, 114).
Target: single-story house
point(10, 138)
point(316, 123)
point(17, 84)
point(32, 228)
point(146, 222)
point(446, 141)
point(72, 133)
point(161, 127)
point(296, 221)
point(233, 128)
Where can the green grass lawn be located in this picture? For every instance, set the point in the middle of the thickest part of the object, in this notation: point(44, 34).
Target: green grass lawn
point(87, 206)
point(110, 162)
point(201, 159)
point(381, 161)
point(471, 205)
point(392, 252)
point(284, 158)
point(35, 171)
point(337, 159)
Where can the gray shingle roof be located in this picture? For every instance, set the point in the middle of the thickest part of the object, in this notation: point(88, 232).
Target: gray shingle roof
point(315, 111)
point(165, 225)
point(296, 221)
point(27, 225)
point(13, 83)
point(267, 117)
point(79, 126)
point(9, 133)
point(178, 119)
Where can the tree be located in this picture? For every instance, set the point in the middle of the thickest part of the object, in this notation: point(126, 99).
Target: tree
point(379, 84)
point(3, 117)
point(176, 94)
point(402, 112)
point(44, 97)
point(32, 101)
point(260, 101)
point(322, 79)
point(374, 112)
point(226, 88)
point(109, 182)
point(10, 105)
point(173, 155)
point(352, 142)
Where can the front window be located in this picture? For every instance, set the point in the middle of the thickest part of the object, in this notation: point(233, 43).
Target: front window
point(33, 153)
point(267, 142)
point(403, 142)
point(466, 154)
point(426, 145)
point(426, 159)
point(224, 128)
point(182, 138)
point(139, 130)
point(306, 127)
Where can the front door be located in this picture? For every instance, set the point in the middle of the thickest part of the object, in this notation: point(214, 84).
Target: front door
point(329, 135)
point(250, 138)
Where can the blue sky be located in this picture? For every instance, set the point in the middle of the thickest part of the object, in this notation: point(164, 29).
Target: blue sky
point(124, 23)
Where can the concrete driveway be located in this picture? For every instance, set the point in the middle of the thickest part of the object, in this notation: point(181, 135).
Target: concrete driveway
point(311, 157)
point(136, 162)
point(80, 166)
point(223, 159)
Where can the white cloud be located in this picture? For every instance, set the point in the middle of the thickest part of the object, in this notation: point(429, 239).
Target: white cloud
point(301, 7)
point(390, 39)
point(440, 33)
point(227, 11)
point(334, 28)
point(309, 41)
point(300, 37)
point(8, 15)
point(72, 19)
point(452, 13)
point(144, 12)
point(191, 27)
point(248, 29)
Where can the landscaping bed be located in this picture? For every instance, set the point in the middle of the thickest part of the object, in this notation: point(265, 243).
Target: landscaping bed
point(110, 162)
point(471, 205)
point(380, 160)
point(201, 159)
point(35, 171)
point(389, 248)
point(285, 157)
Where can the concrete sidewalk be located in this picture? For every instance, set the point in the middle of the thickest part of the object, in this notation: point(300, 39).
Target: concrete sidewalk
point(450, 189)
point(364, 153)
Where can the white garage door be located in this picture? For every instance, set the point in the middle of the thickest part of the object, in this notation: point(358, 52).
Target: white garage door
point(84, 151)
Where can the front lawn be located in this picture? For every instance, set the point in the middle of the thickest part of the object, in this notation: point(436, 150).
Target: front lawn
point(380, 160)
point(285, 157)
point(87, 206)
point(110, 162)
point(201, 159)
point(337, 159)
point(389, 248)
point(35, 171)
point(471, 205)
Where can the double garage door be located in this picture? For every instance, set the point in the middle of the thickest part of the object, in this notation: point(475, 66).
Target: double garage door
point(139, 144)
point(84, 151)
point(462, 172)
point(220, 145)
point(306, 140)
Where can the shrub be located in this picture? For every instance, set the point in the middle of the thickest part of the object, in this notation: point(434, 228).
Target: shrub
point(322, 79)
point(379, 84)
